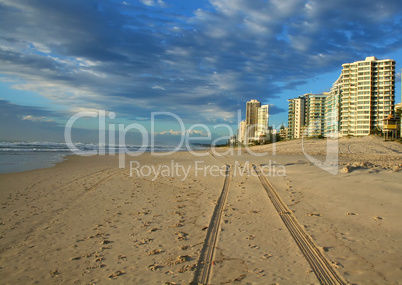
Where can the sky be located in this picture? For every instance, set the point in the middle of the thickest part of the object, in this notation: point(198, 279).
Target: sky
point(199, 61)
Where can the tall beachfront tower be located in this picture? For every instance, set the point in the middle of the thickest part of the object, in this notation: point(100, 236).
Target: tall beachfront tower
point(241, 132)
point(252, 117)
point(263, 119)
point(296, 117)
point(306, 116)
point(255, 127)
point(332, 109)
point(252, 112)
point(368, 95)
point(315, 114)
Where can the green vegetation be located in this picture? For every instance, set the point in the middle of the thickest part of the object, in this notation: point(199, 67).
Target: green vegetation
point(376, 131)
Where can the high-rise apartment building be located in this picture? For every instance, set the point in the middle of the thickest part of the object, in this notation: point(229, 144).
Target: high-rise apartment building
point(252, 117)
point(296, 117)
point(367, 95)
point(359, 101)
point(315, 114)
point(241, 132)
point(306, 116)
point(332, 109)
point(256, 124)
point(262, 121)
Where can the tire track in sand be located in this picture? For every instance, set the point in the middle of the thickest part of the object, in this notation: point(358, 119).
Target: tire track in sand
point(203, 272)
point(322, 268)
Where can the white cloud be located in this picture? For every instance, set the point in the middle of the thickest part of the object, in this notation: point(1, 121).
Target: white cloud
point(214, 113)
point(85, 110)
point(37, 119)
point(94, 73)
point(86, 62)
point(301, 43)
point(229, 7)
point(154, 3)
point(180, 133)
point(158, 87)
point(148, 2)
point(41, 47)
point(171, 132)
point(287, 7)
point(178, 51)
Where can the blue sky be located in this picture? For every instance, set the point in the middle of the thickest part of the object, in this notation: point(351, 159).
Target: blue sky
point(201, 60)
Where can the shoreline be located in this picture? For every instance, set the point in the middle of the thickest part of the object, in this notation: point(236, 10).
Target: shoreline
point(28, 161)
point(350, 151)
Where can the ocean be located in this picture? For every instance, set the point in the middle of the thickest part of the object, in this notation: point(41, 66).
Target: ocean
point(24, 156)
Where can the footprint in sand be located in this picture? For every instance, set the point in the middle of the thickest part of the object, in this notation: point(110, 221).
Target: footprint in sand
point(97, 227)
point(154, 267)
point(98, 235)
point(314, 215)
point(181, 236)
point(181, 259)
point(185, 268)
point(265, 256)
point(179, 213)
point(145, 224)
point(105, 241)
point(55, 273)
point(337, 265)
point(259, 272)
point(144, 241)
point(154, 252)
point(147, 212)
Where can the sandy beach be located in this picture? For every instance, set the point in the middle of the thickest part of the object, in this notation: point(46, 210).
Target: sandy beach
point(86, 221)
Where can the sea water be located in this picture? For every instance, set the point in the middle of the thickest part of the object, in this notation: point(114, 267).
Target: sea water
point(24, 156)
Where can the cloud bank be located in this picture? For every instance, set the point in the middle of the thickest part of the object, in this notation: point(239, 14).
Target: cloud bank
point(200, 62)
